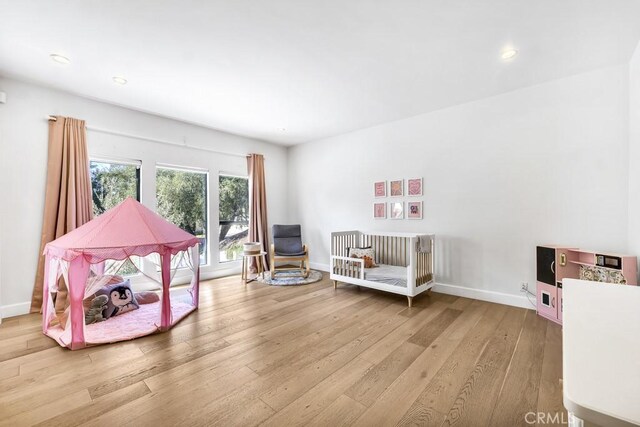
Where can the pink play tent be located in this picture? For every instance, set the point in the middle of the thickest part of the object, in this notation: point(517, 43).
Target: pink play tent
point(85, 257)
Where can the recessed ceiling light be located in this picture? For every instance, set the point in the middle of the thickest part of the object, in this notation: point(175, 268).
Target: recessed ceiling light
point(283, 129)
point(120, 80)
point(509, 54)
point(59, 58)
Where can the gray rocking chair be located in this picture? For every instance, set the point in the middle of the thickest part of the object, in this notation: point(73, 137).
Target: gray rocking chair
point(287, 247)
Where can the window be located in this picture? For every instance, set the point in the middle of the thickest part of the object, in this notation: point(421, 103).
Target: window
point(111, 183)
point(234, 216)
point(182, 199)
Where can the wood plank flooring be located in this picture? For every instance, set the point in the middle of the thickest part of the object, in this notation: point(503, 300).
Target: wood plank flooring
point(304, 355)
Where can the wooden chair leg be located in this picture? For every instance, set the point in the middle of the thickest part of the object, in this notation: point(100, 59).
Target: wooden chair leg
point(243, 275)
point(335, 284)
point(410, 301)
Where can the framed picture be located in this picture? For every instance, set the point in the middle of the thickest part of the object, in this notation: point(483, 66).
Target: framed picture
point(379, 210)
point(380, 189)
point(396, 188)
point(414, 187)
point(396, 210)
point(414, 210)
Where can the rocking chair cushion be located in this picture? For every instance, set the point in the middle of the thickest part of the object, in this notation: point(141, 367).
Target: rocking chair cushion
point(287, 240)
point(293, 254)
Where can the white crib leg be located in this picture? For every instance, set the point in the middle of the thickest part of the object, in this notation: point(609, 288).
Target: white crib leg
point(410, 300)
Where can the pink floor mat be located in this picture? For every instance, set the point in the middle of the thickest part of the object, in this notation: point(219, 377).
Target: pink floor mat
point(127, 326)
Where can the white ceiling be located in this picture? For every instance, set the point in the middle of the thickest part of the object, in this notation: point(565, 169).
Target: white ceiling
point(315, 68)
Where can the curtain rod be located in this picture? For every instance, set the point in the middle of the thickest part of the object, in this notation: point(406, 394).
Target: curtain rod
point(159, 141)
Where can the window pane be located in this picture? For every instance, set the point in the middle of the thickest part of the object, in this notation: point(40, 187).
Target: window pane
point(182, 199)
point(234, 216)
point(111, 183)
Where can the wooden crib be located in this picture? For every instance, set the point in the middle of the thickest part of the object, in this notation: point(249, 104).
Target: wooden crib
point(403, 266)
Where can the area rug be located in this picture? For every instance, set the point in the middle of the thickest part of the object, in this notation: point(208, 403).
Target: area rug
point(290, 278)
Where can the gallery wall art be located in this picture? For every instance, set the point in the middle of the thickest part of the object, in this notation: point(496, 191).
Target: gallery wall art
point(414, 210)
point(396, 188)
point(414, 187)
point(398, 209)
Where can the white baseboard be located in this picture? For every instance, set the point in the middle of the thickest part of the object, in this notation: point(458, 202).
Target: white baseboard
point(485, 295)
point(318, 266)
point(223, 272)
point(12, 310)
point(463, 291)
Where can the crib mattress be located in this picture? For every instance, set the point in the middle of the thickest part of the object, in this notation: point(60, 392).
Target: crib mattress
point(389, 274)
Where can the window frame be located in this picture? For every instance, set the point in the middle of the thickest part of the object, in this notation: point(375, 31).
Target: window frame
point(207, 198)
point(138, 177)
point(123, 162)
point(230, 175)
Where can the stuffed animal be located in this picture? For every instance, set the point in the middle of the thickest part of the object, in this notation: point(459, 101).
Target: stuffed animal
point(94, 314)
point(121, 300)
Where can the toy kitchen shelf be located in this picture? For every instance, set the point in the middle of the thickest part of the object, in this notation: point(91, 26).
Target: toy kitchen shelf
point(554, 263)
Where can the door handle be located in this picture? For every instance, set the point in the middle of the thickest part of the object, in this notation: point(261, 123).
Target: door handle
point(553, 267)
point(553, 302)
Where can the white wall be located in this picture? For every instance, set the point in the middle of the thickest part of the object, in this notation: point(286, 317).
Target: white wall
point(543, 164)
point(538, 165)
point(23, 156)
point(634, 153)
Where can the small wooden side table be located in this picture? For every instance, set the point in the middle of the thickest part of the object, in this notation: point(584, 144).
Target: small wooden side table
point(246, 258)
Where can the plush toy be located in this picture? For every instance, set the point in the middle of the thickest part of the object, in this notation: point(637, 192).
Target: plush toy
point(121, 300)
point(94, 314)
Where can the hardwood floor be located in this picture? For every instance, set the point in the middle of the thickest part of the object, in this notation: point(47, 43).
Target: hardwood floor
point(304, 355)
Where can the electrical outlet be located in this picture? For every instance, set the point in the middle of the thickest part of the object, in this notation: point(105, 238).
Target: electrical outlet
point(524, 287)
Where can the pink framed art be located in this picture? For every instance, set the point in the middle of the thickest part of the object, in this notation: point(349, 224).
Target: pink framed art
point(379, 210)
point(414, 210)
point(414, 187)
point(396, 210)
point(380, 189)
point(396, 188)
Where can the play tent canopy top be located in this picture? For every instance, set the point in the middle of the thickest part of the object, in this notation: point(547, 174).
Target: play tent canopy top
point(127, 229)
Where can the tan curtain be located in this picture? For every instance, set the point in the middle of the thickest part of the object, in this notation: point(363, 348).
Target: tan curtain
point(68, 202)
point(258, 225)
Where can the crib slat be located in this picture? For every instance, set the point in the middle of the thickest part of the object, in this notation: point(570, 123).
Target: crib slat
point(385, 249)
point(404, 251)
point(375, 248)
point(396, 251)
point(406, 243)
point(393, 250)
